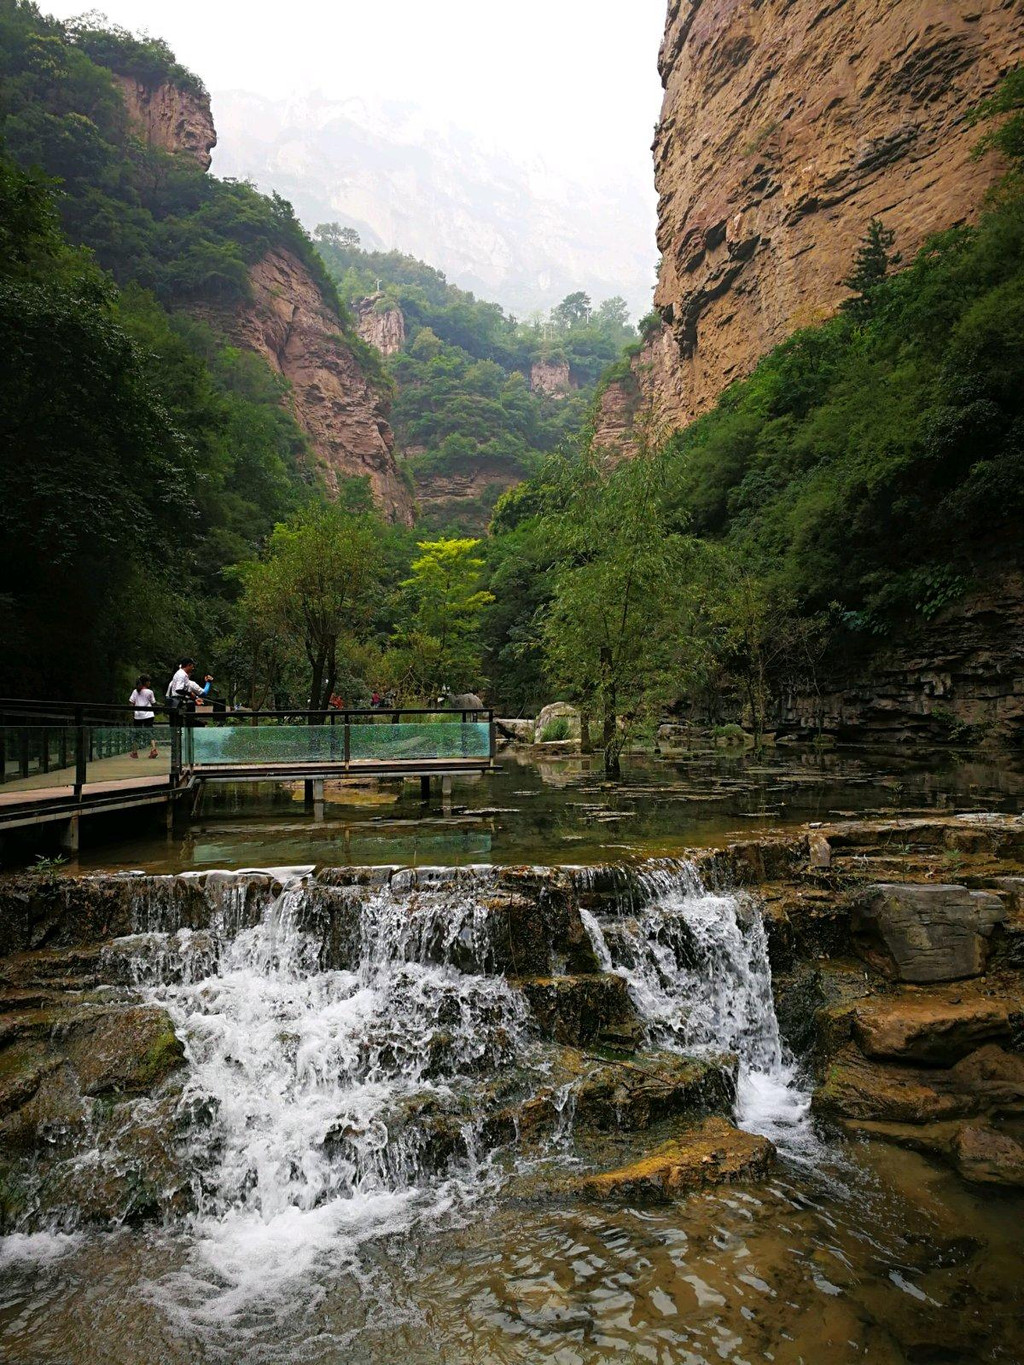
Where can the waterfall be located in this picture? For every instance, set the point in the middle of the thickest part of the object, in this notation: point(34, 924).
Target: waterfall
point(305, 1083)
point(696, 964)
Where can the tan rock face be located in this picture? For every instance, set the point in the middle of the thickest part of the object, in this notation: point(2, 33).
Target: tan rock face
point(172, 119)
point(615, 422)
point(345, 417)
point(786, 126)
point(467, 494)
point(381, 328)
point(551, 377)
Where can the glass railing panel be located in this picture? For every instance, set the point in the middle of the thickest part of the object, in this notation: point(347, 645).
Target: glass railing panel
point(225, 744)
point(35, 756)
point(381, 741)
point(420, 740)
point(109, 757)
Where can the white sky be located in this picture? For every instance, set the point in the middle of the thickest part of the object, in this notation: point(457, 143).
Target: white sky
point(570, 81)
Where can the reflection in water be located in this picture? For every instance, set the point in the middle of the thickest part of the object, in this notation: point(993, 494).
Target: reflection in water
point(566, 811)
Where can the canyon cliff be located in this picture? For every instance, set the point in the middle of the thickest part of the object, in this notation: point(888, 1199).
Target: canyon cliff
point(288, 322)
point(380, 326)
point(786, 126)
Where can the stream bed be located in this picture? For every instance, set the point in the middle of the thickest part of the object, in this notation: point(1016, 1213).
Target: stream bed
point(374, 1153)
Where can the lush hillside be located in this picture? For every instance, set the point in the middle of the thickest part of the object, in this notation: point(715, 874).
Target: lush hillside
point(866, 476)
point(143, 455)
point(468, 401)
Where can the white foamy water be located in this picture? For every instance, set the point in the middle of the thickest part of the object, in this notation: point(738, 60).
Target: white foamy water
point(301, 1079)
point(696, 963)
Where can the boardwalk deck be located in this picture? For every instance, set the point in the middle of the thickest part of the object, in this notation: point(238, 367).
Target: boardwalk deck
point(352, 746)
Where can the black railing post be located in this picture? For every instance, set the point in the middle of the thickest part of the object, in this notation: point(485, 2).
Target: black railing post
point(81, 750)
point(348, 741)
point(176, 730)
point(3, 748)
point(493, 741)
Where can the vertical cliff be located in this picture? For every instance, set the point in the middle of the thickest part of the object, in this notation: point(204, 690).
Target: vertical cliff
point(380, 325)
point(786, 126)
point(288, 322)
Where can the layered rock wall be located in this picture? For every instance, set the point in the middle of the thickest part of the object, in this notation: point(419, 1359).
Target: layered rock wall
point(786, 126)
point(551, 377)
point(288, 323)
point(383, 328)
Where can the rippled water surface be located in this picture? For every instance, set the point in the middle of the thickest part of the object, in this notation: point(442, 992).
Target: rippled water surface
point(880, 1257)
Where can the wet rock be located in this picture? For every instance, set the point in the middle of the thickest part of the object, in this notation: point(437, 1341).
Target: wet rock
point(635, 1096)
point(926, 933)
point(814, 1006)
point(857, 1088)
point(711, 1152)
point(987, 1156)
point(819, 851)
point(936, 1028)
point(576, 1010)
point(986, 1081)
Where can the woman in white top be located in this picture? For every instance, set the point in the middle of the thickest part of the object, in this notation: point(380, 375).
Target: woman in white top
point(144, 701)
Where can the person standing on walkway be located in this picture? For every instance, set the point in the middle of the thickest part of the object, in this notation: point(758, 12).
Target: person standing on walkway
point(182, 693)
point(144, 700)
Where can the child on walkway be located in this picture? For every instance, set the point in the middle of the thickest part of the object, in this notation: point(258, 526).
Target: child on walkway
point(144, 701)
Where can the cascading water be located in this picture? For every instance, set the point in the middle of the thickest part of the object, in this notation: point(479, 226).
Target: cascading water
point(301, 1074)
point(696, 964)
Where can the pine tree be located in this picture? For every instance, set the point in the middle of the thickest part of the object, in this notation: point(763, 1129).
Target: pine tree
point(873, 261)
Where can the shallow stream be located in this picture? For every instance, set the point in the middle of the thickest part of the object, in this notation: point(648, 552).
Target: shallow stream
point(323, 1233)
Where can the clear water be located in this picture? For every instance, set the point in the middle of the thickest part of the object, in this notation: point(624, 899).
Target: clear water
point(562, 811)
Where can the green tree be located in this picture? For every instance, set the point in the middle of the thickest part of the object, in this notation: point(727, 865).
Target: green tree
point(874, 260)
point(574, 310)
point(447, 604)
point(624, 627)
point(317, 587)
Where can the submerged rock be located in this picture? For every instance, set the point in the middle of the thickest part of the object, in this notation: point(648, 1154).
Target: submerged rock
point(711, 1152)
point(986, 1156)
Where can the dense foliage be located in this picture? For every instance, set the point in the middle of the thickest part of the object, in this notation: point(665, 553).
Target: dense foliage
point(463, 397)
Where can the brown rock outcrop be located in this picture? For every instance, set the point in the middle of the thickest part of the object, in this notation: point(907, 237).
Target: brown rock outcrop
point(618, 405)
point(288, 323)
point(381, 327)
point(712, 1152)
point(465, 495)
point(168, 117)
point(551, 377)
point(786, 126)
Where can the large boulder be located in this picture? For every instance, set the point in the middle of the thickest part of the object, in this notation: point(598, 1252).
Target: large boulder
point(989, 1156)
point(926, 933)
point(557, 711)
point(933, 1027)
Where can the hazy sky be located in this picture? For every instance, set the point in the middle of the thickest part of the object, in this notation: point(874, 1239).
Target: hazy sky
point(561, 79)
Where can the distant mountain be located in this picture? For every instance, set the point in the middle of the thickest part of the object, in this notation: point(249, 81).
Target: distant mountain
point(517, 233)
